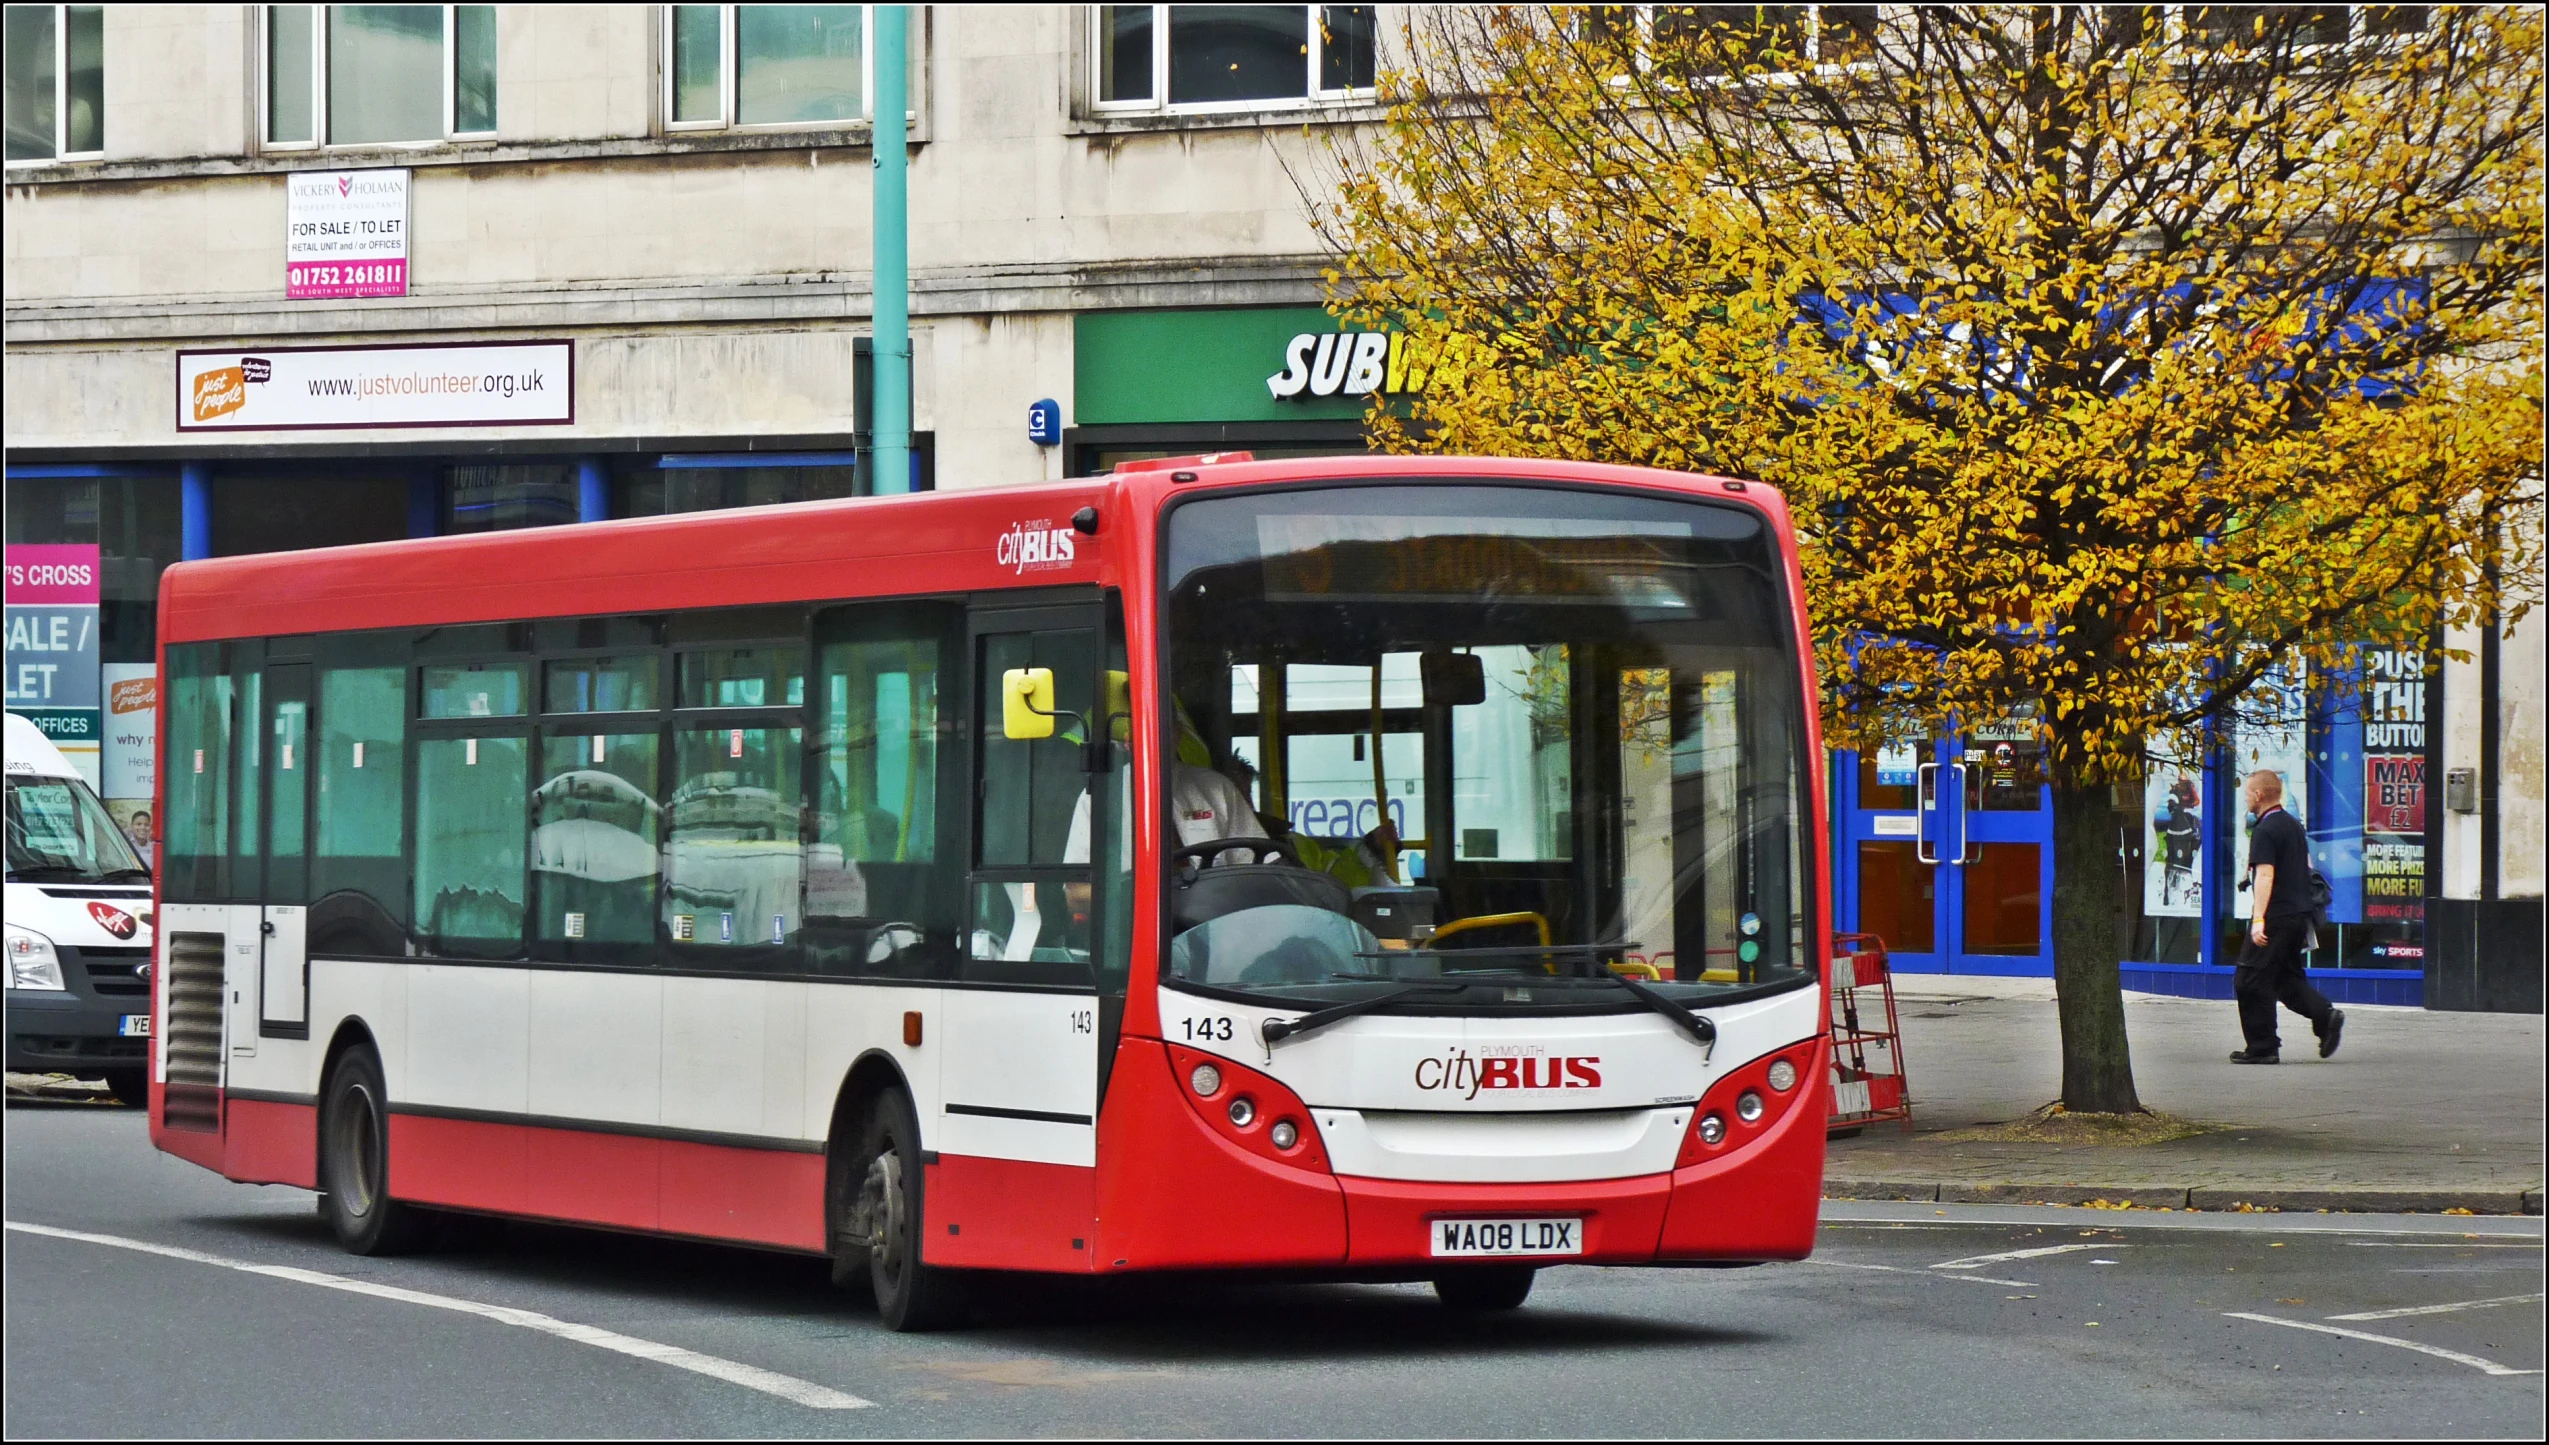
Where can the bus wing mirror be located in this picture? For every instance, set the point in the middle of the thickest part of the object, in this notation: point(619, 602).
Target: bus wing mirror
point(1453, 679)
point(1026, 703)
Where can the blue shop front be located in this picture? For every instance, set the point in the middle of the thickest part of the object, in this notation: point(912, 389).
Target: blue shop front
point(1945, 844)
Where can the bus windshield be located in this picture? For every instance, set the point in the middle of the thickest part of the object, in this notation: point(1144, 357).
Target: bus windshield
point(59, 833)
point(1511, 742)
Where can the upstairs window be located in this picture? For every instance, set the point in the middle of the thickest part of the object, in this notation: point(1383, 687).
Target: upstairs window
point(344, 75)
point(56, 82)
point(1206, 58)
point(1690, 41)
point(2240, 27)
point(773, 65)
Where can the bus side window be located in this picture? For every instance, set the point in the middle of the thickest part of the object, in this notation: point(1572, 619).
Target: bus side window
point(473, 762)
point(358, 878)
point(195, 834)
point(1030, 902)
point(879, 894)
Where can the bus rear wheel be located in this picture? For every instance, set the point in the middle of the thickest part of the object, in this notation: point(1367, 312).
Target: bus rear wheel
point(354, 1161)
point(1486, 1287)
point(884, 1222)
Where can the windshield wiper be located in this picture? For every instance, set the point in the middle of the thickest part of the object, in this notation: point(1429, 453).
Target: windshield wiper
point(1275, 1031)
point(118, 875)
point(1702, 1031)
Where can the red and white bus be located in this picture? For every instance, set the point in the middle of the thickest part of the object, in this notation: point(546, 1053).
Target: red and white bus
point(1369, 868)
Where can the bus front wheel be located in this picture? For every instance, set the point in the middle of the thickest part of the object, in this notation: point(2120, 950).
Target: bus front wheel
point(354, 1161)
point(1486, 1287)
point(885, 1222)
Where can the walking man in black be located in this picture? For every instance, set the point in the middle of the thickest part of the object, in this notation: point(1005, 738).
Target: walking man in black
point(2278, 930)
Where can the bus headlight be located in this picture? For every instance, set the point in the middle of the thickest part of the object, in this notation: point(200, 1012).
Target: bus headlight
point(1243, 1111)
point(1748, 1108)
point(1206, 1080)
point(1284, 1134)
point(1712, 1130)
point(32, 961)
point(1783, 1076)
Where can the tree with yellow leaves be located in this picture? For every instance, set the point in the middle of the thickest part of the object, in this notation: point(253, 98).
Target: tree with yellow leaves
point(2071, 333)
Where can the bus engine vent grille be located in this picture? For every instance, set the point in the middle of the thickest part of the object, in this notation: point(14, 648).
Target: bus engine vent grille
point(191, 1033)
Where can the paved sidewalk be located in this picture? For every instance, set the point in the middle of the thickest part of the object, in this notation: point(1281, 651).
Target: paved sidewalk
point(2417, 1111)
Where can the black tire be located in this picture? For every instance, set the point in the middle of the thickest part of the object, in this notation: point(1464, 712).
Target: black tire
point(1486, 1287)
point(881, 1226)
point(354, 1161)
point(131, 1087)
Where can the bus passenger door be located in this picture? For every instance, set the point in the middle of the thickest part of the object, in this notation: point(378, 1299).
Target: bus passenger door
point(1018, 1076)
point(284, 972)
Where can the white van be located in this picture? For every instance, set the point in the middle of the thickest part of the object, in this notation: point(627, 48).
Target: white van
point(78, 927)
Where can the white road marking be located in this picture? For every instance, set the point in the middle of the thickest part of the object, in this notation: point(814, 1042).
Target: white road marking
point(2437, 1351)
point(1977, 1261)
point(1898, 1269)
point(2490, 1242)
point(2467, 1304)
point(751, 1377)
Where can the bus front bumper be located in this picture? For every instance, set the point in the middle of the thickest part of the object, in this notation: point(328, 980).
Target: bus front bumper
point(1758, 1203)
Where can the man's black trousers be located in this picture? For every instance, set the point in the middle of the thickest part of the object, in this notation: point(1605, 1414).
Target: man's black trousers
point(2271, 974)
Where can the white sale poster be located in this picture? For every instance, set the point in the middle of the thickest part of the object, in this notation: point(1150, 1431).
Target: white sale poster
point(2272, 734)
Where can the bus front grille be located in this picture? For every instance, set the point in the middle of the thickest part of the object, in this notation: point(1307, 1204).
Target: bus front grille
point(192, 1029)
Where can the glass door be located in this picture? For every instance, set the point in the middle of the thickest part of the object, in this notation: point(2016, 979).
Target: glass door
point(1946, 851)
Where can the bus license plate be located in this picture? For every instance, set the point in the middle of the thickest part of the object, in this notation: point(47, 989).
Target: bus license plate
point(136, 1026)
point(1474, 1238)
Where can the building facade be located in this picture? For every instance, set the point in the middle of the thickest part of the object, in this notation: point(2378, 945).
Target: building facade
point(292, 276)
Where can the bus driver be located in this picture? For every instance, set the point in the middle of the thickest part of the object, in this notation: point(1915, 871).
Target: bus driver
point(1209, 806)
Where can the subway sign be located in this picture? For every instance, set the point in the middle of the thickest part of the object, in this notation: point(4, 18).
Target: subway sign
point(1354, 363)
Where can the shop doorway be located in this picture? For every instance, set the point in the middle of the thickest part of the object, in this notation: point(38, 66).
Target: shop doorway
point(1946, 851)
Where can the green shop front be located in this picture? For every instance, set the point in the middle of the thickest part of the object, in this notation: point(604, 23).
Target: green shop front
point(1278, 381)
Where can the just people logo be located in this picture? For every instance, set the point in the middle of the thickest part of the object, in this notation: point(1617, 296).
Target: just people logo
point(1463, 1073)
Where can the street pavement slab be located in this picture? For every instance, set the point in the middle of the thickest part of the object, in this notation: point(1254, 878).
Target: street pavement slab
point(2416, 1111)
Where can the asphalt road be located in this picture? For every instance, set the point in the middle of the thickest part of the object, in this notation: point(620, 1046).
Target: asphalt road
point(1910, 1320)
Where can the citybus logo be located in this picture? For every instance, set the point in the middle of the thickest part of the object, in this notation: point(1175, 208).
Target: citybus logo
point(1035, 546)
point(1464, 1073)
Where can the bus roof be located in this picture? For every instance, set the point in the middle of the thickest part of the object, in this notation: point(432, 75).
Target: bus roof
point(930, 542)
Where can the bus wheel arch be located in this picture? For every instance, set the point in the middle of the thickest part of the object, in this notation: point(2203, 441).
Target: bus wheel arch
point(874, 1192)
point(871, 1077)
point(351, 1033)
point(353, 1159)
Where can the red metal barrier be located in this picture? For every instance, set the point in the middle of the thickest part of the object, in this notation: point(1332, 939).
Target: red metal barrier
point(1868, 1082)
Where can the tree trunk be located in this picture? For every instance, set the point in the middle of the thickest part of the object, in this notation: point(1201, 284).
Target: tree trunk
point(2097, 1059)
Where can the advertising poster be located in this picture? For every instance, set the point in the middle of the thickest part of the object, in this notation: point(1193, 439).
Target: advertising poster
point(131, 741)
point(2173, 801)
point(2273, 735)
point(1898, 765)
point(2394, 800)
point(52, 676)
point(286, 388)
point(345, 234)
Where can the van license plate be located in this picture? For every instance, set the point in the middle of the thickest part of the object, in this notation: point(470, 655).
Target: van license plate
point(136, 1026)
point(1493, 1238)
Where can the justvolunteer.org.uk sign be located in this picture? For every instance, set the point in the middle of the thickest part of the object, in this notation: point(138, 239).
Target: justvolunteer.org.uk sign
point(493, 383)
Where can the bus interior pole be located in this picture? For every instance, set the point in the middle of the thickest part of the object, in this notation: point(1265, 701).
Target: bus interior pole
point(891, 305)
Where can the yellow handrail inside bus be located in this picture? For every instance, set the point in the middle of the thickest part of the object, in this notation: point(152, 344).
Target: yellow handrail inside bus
point(1494, 920)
